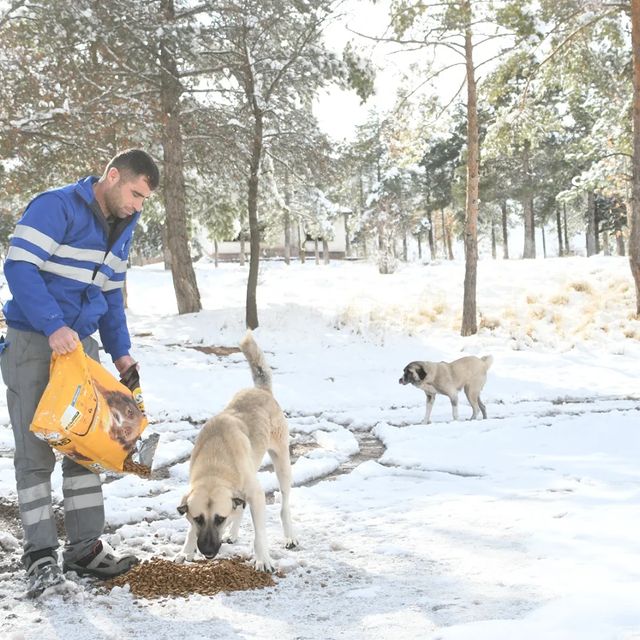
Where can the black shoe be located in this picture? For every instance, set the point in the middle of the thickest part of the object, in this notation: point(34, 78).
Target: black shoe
point(101, 563)
point(44, 573)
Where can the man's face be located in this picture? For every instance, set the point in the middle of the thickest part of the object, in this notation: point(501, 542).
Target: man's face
point(125, 194)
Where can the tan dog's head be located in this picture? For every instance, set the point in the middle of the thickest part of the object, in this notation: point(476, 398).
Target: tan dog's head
point(418, 372)
point(208, 511)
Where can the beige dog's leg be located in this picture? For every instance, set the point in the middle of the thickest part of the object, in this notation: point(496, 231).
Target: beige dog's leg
point(483, 409)
point(282, 467)
point(454, 405)
point(256, 501)
point(431, 398)
point(473, 395)
point(473, 401)
point(189, 547)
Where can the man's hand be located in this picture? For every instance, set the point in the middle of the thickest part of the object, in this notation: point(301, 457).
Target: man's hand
point(124, 362)
point(63, 340)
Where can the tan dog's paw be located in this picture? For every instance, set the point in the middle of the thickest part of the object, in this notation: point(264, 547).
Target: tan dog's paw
point(265, 565)
point(181, 558)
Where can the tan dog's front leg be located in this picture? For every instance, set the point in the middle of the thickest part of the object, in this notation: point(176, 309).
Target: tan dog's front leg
point(189, 547)
point(262, 561)
point(236, 516)
point(282, 466)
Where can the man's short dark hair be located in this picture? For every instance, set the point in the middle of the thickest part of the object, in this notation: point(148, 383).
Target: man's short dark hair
point(136, 162)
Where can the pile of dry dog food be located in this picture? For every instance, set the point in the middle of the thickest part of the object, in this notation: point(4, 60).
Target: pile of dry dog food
point(160, 578)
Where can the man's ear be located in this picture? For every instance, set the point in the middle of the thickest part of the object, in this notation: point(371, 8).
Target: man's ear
point(113, 175)
point(183, 507)
point(239, 502)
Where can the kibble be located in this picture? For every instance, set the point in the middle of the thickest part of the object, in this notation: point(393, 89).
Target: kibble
point(129, 466)
point(158, 578)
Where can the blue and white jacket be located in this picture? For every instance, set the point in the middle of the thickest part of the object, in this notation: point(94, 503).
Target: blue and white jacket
point(64, 270)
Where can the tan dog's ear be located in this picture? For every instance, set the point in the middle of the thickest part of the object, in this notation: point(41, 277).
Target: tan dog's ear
point(238, 502)
point(183, 507)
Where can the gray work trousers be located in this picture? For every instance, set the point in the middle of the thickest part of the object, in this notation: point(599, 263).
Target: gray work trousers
point(25, 371)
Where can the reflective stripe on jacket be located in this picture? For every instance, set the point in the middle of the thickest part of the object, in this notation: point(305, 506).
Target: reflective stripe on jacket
point(61, 271)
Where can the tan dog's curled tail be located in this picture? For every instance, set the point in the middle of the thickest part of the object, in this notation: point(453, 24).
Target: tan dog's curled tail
point(488, 361)
point(260, 370)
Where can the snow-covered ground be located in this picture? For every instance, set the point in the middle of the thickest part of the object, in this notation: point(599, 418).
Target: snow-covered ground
point(524, 525)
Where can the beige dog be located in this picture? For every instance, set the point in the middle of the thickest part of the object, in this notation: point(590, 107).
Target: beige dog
point(447, 378)
point(224, 464)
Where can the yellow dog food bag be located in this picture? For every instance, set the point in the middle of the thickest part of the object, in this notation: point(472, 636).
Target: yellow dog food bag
point(89, 416)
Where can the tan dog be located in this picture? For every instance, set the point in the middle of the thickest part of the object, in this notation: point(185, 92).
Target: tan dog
point(447, 378)
point(224, 464)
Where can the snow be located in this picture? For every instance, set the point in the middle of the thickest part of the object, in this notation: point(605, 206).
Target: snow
point(524, 525)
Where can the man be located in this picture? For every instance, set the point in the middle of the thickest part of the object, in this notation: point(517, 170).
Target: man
point(65, 268)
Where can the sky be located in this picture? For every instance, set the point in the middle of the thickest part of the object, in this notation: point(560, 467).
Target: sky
point(523, 525)
point(339, 112)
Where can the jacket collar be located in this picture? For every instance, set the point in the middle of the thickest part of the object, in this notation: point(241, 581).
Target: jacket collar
point(84, 188)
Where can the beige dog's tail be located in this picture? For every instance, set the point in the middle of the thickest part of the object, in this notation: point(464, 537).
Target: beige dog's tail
point(260, 370)
point(488, 361)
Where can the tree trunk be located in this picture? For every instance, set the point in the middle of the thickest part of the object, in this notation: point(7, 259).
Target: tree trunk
point(566, 231)
point(469, 314)
point(184, 278)
point(529, 229)
point(605, 243)
point(444, 234)
point(620, 248)
point(287, 237)
point(325, 250)
point(215, 253)
point(316, 250)
point(591, 224)
point(449, 249)
point(432, 244)
point(559, 228)
point(302, 244)
point(287, 219)
point(405, 247)
point(527, 205)
point(634, 235)
point(505, 231)
point(254, 231)
point(494, 254)
point(544, 242)
point(419, 237)
point(166, 252)
point(242, 249)
point(347, 240)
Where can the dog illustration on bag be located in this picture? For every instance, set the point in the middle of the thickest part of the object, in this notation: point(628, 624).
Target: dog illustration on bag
point(126, 420)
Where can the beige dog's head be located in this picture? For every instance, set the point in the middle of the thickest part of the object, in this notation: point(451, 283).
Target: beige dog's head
point(208, 510)
point(418, 372)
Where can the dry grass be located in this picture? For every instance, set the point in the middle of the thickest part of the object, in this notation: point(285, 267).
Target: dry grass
point(581, 287)
point(489, 323)
point(559, 299)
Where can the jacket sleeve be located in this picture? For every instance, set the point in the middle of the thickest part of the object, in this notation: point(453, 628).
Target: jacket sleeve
point(38, 234)
point(113, 328)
